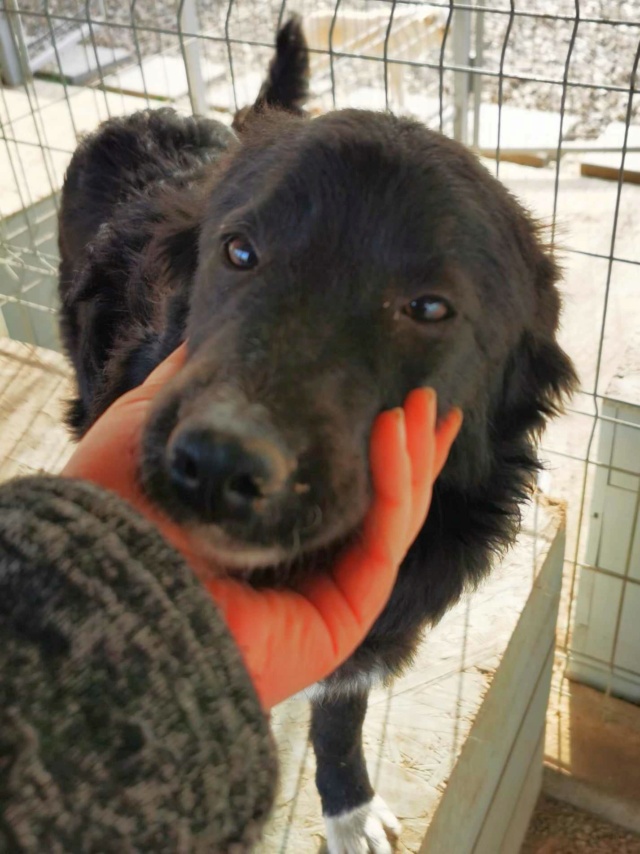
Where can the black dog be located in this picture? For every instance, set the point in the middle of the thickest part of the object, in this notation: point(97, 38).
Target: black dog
point(320, 270)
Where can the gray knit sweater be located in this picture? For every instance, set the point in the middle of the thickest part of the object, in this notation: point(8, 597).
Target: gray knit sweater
point(127, 720)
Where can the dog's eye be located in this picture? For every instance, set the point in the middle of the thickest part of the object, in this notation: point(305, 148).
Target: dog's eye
point(240, 253)
point(428, 309)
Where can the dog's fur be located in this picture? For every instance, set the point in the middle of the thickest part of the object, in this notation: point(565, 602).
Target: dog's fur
point(353, 215)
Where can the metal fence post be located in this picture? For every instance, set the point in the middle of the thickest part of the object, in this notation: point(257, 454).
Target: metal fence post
point(461, 56)
point(189, 23)
point(14, 60)
point(476, 83)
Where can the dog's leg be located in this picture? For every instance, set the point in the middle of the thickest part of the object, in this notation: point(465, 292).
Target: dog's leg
point(356, 819)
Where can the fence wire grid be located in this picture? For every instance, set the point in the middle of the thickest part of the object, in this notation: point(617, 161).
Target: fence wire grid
point(545, 91)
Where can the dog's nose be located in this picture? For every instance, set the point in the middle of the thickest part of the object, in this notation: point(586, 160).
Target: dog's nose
point(223, 476)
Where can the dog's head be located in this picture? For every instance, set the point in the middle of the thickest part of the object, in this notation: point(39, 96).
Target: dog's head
point(343, 262)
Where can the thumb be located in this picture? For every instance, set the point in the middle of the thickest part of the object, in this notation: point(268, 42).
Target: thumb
point(166, 370)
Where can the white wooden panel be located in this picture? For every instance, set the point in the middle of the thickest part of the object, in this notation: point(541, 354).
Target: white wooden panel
point(597, 608)
point(507, 799)
point(474, 780)
point(628, 646)
point(514, 836)
point(606, 635)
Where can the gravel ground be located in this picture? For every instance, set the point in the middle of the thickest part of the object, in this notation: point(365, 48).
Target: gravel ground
point(600, 53)
point(557, 828)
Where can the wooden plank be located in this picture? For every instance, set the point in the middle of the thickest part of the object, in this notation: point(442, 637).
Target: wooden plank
point(523, 158)
point(507, 801)
point(469, 790)
point(610, 171)
point(608, 165)
point(516, 832)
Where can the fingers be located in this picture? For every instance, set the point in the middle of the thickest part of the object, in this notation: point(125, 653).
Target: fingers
point(366, 572)
point(446, 434)
point(406, 457)
point(326, 619)
point(420, 412)
point(428, 447)
point(349, 599)
point(140, 396)
point(166, 370)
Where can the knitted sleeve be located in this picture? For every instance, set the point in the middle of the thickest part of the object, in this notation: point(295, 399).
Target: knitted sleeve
point(127, 719)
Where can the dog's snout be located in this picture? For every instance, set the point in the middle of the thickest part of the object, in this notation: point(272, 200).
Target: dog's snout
point(224, 476)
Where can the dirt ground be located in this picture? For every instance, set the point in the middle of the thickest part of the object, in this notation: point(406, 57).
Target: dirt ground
point(558, 828)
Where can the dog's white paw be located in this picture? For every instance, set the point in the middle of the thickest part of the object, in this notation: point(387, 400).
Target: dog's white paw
point(364, 830)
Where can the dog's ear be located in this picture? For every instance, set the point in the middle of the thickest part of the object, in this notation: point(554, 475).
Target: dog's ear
point(539, 375)
point(538, 378)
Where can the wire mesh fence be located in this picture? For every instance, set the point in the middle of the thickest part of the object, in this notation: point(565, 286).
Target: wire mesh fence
point(545, 91)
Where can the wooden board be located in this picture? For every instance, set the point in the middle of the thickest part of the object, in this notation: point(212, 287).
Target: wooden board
point(528, 797)
point(608, 165)
point(513, 710)
point(509, 810)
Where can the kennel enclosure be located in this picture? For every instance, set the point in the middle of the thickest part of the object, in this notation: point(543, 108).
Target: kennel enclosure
point(547, 93)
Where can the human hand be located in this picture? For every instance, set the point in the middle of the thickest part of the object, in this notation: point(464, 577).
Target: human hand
point(290, 639)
